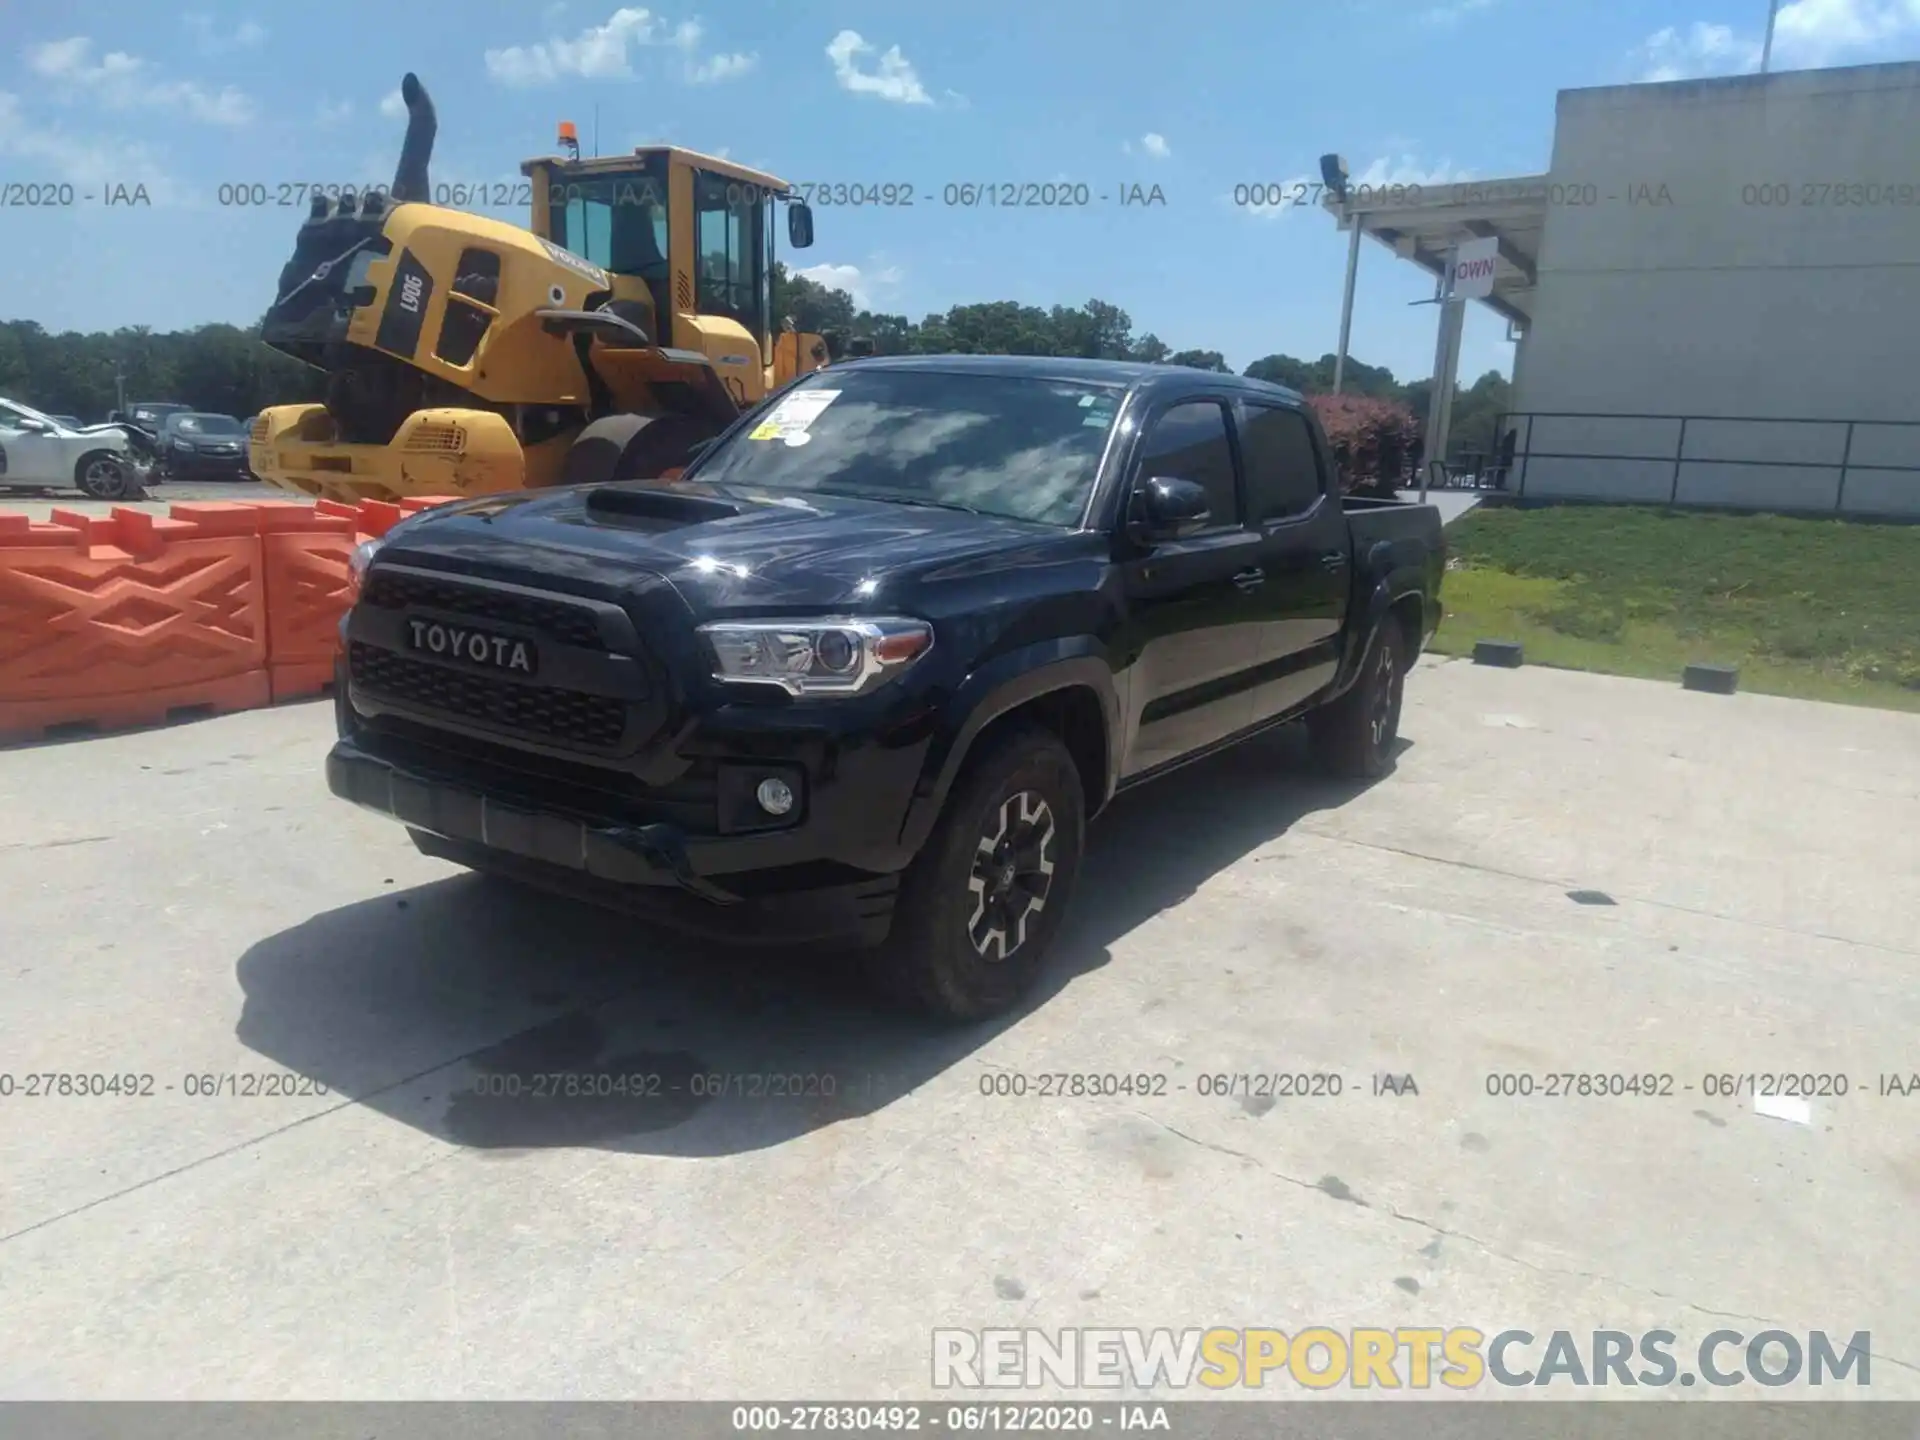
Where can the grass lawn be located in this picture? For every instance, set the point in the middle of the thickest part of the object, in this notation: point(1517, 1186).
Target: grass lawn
point(1819, 609)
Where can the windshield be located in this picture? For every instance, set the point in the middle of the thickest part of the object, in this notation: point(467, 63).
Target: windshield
point(1019, 446)
point(616, 220)
point(206, 424)
point(26, 411)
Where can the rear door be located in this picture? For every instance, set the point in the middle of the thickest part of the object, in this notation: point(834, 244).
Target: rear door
point(1192, 628)
point(1305, 554)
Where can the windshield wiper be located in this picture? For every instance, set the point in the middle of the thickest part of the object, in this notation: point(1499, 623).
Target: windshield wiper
point(904, 500)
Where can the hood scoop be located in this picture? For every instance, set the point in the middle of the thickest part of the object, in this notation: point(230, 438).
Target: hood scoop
point(647, 502)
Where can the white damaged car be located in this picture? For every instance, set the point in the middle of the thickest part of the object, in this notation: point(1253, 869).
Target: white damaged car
point(105, 462)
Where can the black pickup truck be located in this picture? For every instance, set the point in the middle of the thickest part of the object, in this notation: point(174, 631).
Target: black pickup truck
point(869, 666)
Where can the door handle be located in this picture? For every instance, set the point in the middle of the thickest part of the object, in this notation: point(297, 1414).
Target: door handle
point(1250, 579)
point(1334, 559)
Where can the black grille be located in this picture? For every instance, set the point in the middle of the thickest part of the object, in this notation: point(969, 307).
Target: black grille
point(537, 711)
point(391, 590)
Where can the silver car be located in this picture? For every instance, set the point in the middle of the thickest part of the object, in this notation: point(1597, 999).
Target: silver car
point(37, 450)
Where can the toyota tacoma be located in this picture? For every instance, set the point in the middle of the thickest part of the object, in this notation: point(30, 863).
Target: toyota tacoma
point(869, 666)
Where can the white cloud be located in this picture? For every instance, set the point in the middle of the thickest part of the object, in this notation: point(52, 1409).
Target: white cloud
point(1807, 34)
point(1308, 192)
point(866, 287)
point(1812, 32)
point(119, 81)
point(393, 105)
point(892, 78)
point(600, 52)
point(1700, 49)
point(716, 68)
point(246, 36)
point(1454, 12)
point(90, 165)
point(1150, 144)
point(335, 113)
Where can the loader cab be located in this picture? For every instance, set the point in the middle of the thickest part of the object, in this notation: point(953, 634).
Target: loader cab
point(690, 237)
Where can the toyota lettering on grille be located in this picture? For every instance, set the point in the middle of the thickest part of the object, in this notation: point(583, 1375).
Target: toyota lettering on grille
point(477, 647)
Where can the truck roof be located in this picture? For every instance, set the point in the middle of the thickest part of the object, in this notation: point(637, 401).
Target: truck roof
point(1130, 374)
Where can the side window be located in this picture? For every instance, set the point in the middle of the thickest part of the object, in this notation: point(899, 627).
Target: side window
point(724, 278)
point(1189, 442)
point(1283, 474)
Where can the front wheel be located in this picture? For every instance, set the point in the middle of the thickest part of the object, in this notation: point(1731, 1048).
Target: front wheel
point(103, 476)
point(634, 447)
point(981, 905)
point(1356, 735)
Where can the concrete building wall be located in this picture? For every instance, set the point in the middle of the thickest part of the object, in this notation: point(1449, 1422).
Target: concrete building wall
point(1746, 247)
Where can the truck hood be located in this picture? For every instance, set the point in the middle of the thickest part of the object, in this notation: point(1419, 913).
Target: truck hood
point(724, 548)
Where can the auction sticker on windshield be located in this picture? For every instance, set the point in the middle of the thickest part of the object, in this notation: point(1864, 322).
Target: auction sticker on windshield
point(793, 415)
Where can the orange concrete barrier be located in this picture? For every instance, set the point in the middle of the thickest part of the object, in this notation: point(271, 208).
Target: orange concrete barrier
point(121, 619)
point(304, 551)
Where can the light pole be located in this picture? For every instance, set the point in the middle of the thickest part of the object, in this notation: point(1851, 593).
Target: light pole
point(1766, 49)
point(1333, 170)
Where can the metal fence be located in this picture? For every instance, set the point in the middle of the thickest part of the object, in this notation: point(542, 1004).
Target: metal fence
point(1788, 464)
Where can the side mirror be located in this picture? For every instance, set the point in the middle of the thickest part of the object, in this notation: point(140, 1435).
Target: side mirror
point(799, 225)
point(34, 427)
point(1167, 508)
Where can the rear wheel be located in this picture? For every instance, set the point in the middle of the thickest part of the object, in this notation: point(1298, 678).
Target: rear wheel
point(1357, 734)
point(982, 902)
point(634, 447)
point(101, 475)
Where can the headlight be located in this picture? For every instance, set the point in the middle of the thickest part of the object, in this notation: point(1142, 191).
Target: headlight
point(816, 657)
point(357, 562)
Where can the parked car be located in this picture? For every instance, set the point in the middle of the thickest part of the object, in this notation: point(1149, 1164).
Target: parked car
point(195, 445)
point(869, 667)
point(106, 462)
point(151, 414)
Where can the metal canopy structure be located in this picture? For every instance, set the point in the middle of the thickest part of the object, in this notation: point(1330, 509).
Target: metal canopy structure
point(1427, 225)
point(1424, 223)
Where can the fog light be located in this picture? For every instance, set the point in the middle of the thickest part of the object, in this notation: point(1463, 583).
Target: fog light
point(775, 796)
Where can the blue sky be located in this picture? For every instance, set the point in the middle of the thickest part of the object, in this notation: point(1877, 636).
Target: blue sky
point(102, 93)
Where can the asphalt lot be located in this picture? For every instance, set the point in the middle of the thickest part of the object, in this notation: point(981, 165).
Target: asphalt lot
point(189, 902)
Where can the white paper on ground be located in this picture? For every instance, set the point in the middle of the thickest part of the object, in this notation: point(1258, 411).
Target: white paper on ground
point(1784, 1107)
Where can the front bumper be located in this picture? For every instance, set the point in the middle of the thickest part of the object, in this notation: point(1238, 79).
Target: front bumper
point(207, 467)
point(652, 870)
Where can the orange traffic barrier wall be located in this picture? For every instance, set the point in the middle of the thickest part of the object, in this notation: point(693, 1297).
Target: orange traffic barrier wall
point(119, 619)
point(304, 551)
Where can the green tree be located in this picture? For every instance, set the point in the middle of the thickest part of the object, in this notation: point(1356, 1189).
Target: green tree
point(1201, 360)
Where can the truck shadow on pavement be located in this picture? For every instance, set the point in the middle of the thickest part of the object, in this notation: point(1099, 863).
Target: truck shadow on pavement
point(505, 1020)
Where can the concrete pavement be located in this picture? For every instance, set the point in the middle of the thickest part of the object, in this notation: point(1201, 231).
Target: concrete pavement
point(1567, 873)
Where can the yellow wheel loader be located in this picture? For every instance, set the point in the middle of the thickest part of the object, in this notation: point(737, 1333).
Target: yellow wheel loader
point(631, 323)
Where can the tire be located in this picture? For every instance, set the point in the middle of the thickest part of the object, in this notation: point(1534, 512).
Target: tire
point(633, 447)
point(947, 957)
point(102, 475)
point(1356, 735)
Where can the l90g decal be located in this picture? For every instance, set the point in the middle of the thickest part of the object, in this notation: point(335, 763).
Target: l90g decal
point(407, 301)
